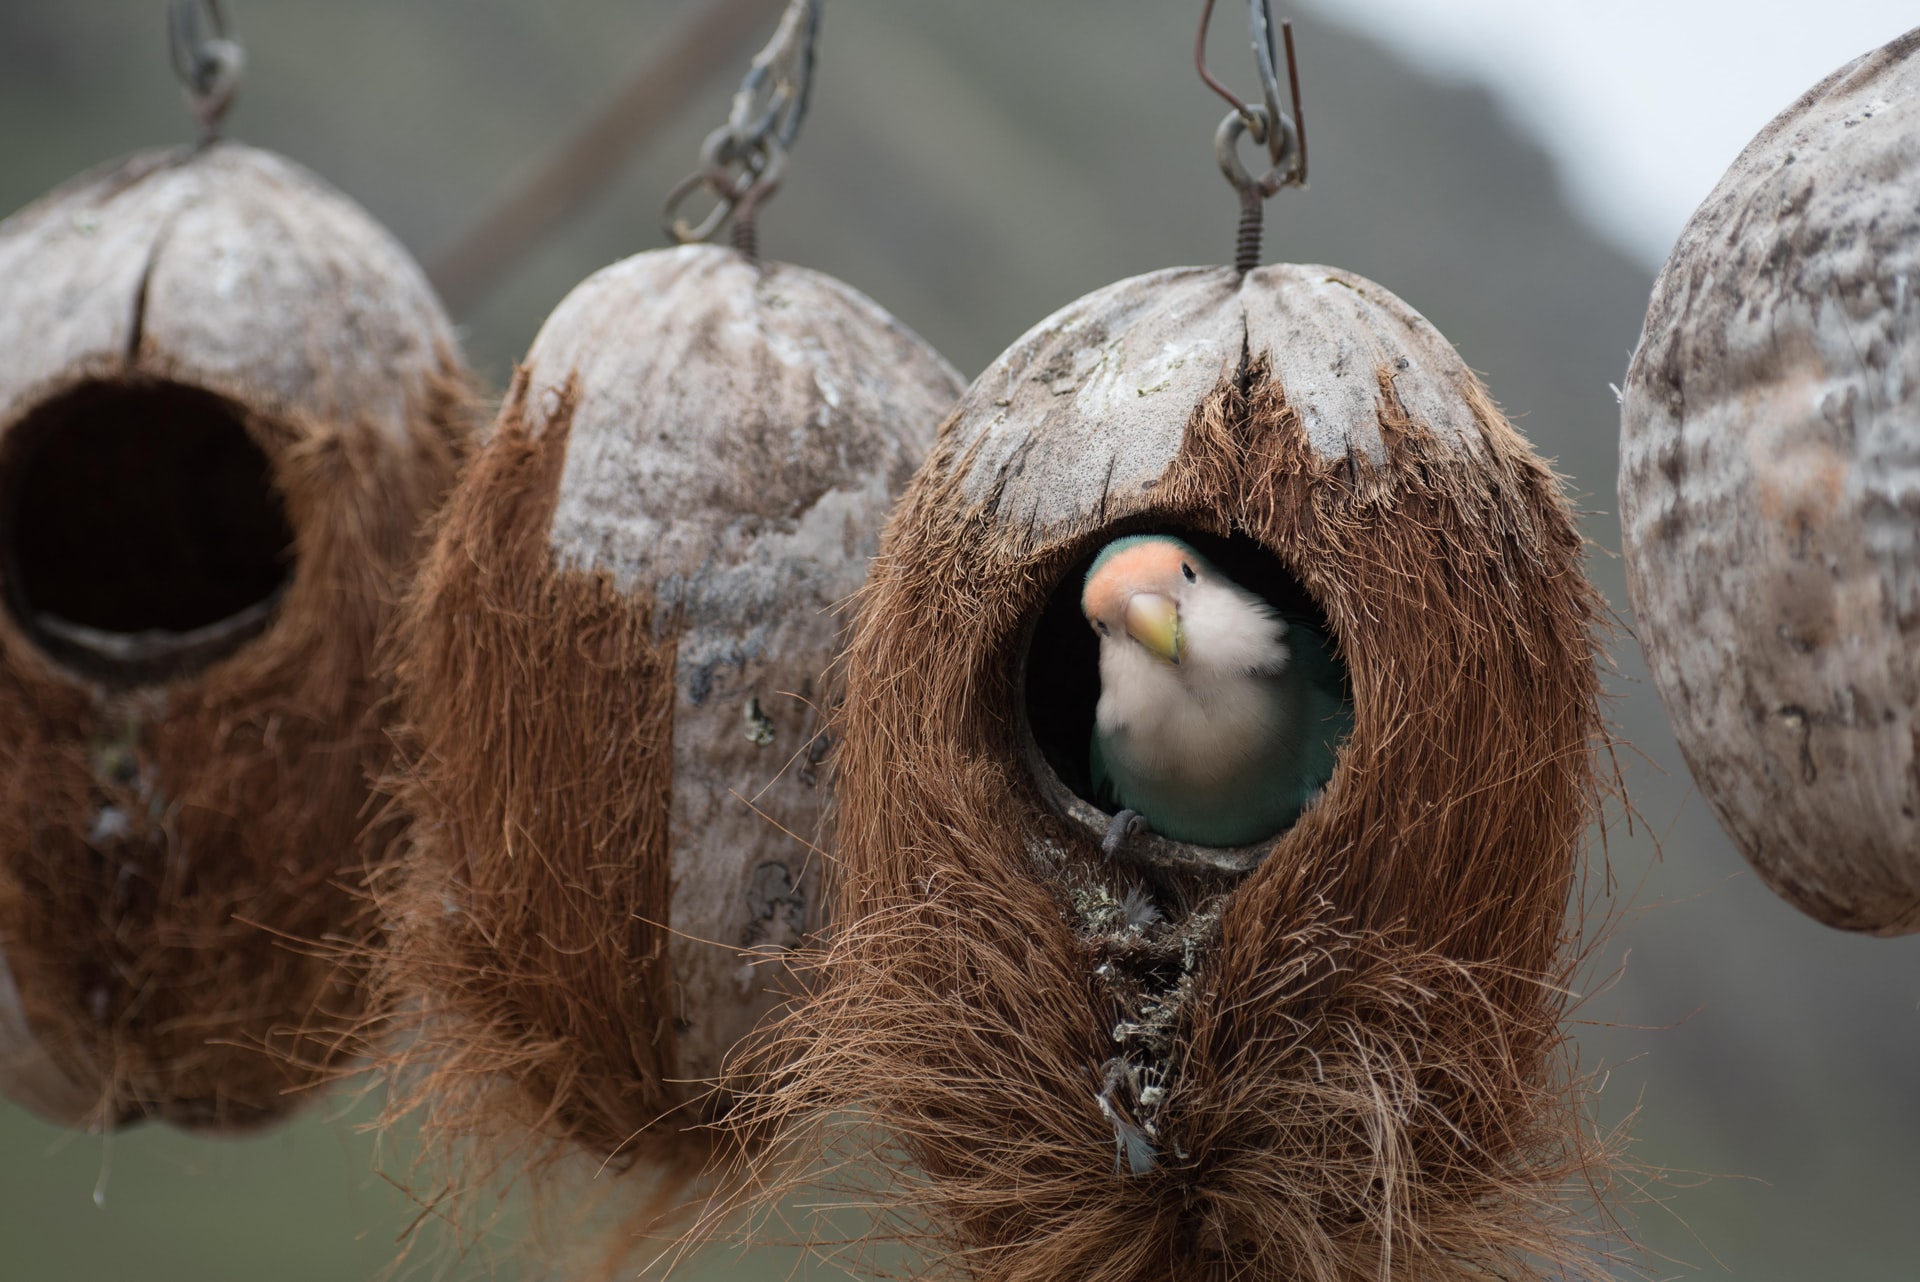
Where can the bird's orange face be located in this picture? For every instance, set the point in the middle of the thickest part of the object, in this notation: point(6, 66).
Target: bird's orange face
point(1136, 593)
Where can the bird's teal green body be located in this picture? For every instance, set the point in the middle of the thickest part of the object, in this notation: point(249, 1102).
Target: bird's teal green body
point(1298, 706)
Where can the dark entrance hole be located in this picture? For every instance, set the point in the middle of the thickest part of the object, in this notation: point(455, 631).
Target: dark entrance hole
point(141, 534)
point(1061, 678)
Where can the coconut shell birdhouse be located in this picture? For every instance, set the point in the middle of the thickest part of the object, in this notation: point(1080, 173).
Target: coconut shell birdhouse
point(1331, 1049)
point(614, 671)
point(1770, 431)
point(228, 401)
point(1310, 1056)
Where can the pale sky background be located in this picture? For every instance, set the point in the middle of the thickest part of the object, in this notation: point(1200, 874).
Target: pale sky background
point(1642, 103)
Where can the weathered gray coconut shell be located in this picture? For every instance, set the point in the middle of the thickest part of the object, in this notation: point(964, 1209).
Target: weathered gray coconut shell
point(159, 265)
point(739, 437)
point(177, 806)
point(1078, 421)
point(615, 670)
point(1770, 459)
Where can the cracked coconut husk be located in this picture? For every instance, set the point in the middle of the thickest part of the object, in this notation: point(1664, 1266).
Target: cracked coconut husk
point(610, 674)
point(1345, 1063)
point(184, 794)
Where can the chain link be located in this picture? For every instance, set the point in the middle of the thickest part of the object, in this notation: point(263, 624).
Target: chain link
point(743, 161)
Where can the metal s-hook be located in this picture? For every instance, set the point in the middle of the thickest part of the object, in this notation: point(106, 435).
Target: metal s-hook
point(208, 59)
point(743, 161)
point(1283, 135)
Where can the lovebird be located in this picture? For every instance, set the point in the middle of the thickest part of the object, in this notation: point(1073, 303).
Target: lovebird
point(1218, 719)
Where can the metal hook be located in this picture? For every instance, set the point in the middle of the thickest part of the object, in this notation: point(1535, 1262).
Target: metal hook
point(1260, 21)
point(1282, 134)
point(1291, 136)
point(207, 58)
point(743, 161)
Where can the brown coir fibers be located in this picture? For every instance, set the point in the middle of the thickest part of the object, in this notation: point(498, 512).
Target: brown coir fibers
point(1350, 1064)
point(181, 875)
point(527, 976)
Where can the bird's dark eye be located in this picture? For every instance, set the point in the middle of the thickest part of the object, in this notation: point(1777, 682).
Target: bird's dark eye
point(1103, 628)
point(1188, 571)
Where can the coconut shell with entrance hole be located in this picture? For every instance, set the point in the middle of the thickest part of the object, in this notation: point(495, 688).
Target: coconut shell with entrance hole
point(1769, 462)
point(612, 671)
point(1336, 1054)
point(229, 399)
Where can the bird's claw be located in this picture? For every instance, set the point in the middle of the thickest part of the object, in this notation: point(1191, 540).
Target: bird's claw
point(1126, 823)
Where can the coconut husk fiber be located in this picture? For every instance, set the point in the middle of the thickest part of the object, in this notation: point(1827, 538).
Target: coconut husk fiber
point(1771, 541)
point(1341, 1052)
point(229, 399)
point(611, 677)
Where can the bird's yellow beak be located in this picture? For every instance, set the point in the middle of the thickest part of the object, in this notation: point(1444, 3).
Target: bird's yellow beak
point(1154, 621)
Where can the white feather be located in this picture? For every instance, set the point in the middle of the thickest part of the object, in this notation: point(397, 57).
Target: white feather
point(1196, 724)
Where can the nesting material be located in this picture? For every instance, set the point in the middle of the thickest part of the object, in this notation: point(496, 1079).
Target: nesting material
point(1767, 470)
point(1334, 1055)
point(612, 673)
point(228, 401)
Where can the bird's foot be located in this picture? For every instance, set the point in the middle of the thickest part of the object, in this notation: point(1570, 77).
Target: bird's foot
point(1126, 823)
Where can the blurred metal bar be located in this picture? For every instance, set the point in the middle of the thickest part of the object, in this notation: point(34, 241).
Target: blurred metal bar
point(465, 273)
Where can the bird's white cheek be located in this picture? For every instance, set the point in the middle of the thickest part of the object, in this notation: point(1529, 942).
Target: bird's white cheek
point(1136, 689)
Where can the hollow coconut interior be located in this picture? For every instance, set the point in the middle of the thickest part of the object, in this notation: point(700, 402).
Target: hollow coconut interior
point(142, 534)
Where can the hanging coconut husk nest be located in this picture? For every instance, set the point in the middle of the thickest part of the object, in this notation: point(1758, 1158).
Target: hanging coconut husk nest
point(611, 669)
point(228, 401)
point(1335, 1053)
point(1772, 544)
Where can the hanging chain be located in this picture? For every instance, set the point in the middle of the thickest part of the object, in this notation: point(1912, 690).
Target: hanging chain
point(1283, 135)
point(743, 161)
point(208, 58)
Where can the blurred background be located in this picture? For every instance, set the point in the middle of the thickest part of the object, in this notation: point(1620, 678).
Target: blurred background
point(1514, 170)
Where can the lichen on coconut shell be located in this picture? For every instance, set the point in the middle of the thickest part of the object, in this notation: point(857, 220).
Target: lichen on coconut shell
point(1770, 439)
point(1335, 1056)
point(228, 400)
point(612, 670)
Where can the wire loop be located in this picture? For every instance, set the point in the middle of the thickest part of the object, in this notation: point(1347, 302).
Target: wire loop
point(1284, 140)
point(743, 161)
point(207, 58)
